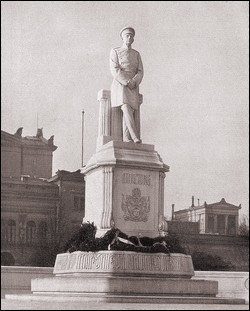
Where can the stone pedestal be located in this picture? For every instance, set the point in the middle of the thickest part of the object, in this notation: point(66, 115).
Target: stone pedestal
point(125, 188)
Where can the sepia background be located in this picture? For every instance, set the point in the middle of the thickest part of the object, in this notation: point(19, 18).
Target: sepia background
point(55, 58)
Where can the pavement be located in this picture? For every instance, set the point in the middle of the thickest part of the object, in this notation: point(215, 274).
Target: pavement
point(7, 304)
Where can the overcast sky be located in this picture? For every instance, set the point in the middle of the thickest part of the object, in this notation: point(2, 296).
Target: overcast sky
point(55, 58)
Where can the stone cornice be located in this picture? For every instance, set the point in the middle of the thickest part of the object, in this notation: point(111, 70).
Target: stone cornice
point(126, 154)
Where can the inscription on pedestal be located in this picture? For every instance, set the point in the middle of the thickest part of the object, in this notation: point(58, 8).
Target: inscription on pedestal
point(136, 179)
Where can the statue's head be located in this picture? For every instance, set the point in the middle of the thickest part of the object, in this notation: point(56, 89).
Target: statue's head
point(127, 34)
point(39, 132)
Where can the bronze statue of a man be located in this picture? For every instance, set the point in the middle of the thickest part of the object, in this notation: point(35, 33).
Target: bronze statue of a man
point(127, 70)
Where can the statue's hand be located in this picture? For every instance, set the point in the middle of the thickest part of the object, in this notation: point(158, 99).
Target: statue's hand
point(131, 84)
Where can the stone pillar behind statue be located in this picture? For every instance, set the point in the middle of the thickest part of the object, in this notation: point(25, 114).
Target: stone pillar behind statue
point(104, 131)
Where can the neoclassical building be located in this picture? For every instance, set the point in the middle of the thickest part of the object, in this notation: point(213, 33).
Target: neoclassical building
point(215, 218)
point(28, 202)
point(33, 202)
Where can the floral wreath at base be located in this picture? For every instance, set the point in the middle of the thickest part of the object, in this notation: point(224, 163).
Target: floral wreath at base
point(114, 239)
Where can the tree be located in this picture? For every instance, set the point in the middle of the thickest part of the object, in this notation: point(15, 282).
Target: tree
point(244, 227)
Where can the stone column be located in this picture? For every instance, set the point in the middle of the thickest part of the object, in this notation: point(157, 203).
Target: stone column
point(107, 197)
point(215, 224)
point(205, 223)
point(189, 216)
point(161, 225)
point(104, 131)
point(226, 224)
point(236, 225)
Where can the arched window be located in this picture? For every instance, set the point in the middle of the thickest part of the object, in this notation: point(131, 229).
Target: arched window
point(11, 231)
point(21, 232)
point(43, 230)
point(30, 232)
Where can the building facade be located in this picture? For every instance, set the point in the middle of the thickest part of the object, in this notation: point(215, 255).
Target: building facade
point(28, 219)
point(71, 204)
point(216, 218)
point(209, 233)
point(30, 155)
point(35, 205)
point(28, 202)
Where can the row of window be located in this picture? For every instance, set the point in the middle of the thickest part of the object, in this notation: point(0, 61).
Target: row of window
point(26, 233)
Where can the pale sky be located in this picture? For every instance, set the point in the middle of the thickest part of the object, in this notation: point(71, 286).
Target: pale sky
point(55, 58)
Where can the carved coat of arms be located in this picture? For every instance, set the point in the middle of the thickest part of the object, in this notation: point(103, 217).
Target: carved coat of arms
point(135, 207)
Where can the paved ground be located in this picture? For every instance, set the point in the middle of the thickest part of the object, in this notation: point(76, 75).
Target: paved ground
point(38, 305)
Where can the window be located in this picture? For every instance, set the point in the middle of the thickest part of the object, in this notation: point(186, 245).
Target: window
point(79, 203)
point(11, 231)
point(21, 232)
point(43, 230)
point(30, 232)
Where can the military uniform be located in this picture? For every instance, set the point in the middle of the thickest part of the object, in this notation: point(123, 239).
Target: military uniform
point(125, 65)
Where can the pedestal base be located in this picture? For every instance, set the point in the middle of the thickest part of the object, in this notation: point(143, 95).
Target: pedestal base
point(124, 277)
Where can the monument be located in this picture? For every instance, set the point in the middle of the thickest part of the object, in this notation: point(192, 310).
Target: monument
point(127, 174)
point(125, 190)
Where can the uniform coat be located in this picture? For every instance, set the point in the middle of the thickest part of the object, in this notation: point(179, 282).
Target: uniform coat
point(125, 64)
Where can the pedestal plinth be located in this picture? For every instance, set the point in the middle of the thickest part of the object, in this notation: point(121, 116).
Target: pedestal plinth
point(125, 188)
point(124, 273)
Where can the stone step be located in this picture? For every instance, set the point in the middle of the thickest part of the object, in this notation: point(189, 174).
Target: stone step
point(97, 283)
point(107, 298)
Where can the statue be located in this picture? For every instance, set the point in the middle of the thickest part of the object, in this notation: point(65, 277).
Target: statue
point(51, 140)
point(19, 131)
point(39, 133)
point(127, 70)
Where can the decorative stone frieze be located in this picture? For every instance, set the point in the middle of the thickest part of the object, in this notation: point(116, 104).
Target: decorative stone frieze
point(119, 262)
